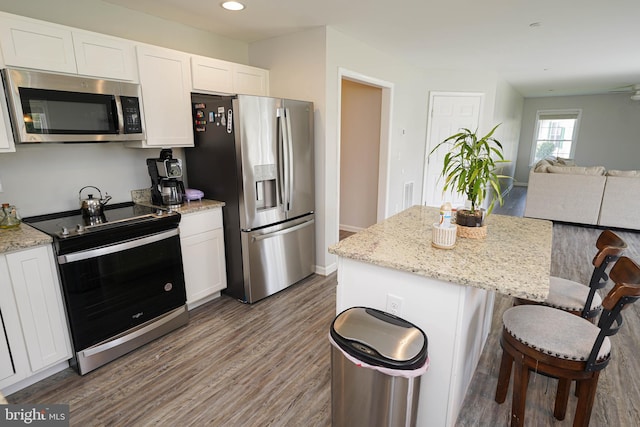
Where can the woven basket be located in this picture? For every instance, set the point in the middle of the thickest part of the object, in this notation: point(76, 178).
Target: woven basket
point(472, 232)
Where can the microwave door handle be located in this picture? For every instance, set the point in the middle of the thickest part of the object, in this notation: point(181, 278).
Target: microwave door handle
point(120, 115)
point(290, 165)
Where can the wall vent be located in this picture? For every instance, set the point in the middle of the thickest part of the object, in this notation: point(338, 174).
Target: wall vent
point(408, 195)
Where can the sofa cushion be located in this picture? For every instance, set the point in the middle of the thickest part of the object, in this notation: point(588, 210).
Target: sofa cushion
point(565, 162)
point(577, 170)
point(542, 165)
point(628, 174)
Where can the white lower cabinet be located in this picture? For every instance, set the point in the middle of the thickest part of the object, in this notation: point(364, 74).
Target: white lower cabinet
point(6, 365)
point(203, 259)
point(37, 337)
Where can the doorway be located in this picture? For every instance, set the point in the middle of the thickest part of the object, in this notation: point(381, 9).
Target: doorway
point(359, 155)
point(448, 113)
point(364, 140)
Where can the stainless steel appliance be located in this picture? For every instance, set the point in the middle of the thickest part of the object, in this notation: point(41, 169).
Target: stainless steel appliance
point(122, 278)
point(167, 188)
point(48, 107)
point(256, 154)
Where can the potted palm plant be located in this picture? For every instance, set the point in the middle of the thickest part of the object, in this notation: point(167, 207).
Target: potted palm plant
point(470, 168)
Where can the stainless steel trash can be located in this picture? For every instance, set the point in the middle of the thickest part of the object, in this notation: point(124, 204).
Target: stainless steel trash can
point(376, 363)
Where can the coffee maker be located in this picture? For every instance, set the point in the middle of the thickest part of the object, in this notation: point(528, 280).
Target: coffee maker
point(167, 188)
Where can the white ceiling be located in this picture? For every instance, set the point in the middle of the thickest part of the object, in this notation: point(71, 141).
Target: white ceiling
point(578, 46)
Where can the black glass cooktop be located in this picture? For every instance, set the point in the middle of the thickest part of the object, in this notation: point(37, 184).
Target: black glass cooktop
point(120, 221)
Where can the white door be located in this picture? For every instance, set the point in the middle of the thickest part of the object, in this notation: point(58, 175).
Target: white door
point(449, 112)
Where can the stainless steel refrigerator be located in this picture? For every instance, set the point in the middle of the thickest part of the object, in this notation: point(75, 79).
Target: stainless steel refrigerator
point(256, 155)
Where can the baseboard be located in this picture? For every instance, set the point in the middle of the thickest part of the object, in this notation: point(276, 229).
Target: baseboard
point(39, 376)
point(325, 271)
point(351, 228)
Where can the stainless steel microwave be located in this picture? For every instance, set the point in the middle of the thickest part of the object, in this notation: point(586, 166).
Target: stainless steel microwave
point(46, 107)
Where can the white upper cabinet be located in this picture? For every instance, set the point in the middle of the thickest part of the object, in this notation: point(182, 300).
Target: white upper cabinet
point(29, 43)
point(35, 44)
point(103, 56)
point(215, 75)
point(165, 81)
point(250, 80)
point(211, 75)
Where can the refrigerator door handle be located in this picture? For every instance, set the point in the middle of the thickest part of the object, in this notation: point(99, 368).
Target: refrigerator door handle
point(289, 145)
point(280, 232)
point(281, 158)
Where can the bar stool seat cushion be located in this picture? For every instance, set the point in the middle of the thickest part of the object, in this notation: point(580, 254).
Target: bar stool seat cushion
point(569, 295)
point(554, 332)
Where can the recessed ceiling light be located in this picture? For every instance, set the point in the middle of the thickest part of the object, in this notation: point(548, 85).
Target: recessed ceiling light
point(232, 5)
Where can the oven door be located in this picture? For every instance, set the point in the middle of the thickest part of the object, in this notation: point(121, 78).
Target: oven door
point(114, 288)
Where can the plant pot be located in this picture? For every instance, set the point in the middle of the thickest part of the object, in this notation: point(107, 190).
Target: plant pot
point(468, 218)
point(472, 232)
point(471, 224)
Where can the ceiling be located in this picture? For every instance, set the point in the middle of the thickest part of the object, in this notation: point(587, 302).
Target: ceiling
point(541, 47)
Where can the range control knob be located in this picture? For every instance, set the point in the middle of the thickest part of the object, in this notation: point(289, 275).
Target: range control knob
point(80, 228)
point(65, 231)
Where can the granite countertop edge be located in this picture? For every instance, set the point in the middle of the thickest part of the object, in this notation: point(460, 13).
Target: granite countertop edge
point(403, 242)
point(22, 237)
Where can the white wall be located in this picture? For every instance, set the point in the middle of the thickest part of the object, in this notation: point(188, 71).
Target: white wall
point(46, 178)
point(308, 65)
point(608, 135)
point(106, 18)
point(359, 155)
point(508, 112)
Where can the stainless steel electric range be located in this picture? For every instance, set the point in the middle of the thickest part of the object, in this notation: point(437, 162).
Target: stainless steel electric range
point(122, 278)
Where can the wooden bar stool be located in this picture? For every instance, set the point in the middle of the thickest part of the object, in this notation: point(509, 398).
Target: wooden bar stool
point(560, 345)
point(576, 298)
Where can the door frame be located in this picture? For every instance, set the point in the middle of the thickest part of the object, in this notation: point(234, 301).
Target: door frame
point(385, 137)
point(432, 95)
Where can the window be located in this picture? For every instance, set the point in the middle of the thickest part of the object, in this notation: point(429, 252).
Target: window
point(555, 134)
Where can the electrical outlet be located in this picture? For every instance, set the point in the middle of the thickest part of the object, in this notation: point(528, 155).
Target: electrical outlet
point(0, 187)
point(394, 304)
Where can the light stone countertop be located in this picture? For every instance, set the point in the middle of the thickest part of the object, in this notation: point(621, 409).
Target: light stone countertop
point(514, 259)
point(143, 197)
point(22, 237)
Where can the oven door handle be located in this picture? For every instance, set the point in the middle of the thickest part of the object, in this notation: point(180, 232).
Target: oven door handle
point(119, 247)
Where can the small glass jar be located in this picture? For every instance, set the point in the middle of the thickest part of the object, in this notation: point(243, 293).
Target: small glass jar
point(9, 217)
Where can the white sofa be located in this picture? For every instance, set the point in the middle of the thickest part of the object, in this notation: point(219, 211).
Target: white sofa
point(584, 195)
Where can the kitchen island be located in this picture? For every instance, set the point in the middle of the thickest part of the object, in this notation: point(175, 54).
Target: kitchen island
point(392, 266)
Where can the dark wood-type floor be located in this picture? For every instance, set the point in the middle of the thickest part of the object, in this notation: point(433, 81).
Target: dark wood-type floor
point(268, 364)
